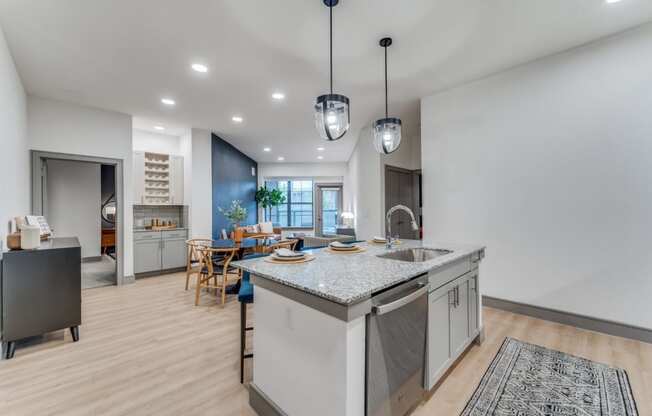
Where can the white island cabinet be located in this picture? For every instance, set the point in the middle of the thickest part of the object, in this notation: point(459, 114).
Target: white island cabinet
point(322, 327)
point(453, 314)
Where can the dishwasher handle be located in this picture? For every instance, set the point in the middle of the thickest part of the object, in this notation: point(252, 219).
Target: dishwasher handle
point(412, 296)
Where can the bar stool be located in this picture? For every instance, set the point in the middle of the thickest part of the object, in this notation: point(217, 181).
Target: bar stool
point(245, 297)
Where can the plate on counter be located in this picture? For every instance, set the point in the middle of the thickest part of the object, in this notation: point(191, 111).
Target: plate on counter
point(289, 260)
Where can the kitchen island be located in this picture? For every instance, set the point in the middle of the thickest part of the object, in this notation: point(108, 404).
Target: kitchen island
point(365, 333)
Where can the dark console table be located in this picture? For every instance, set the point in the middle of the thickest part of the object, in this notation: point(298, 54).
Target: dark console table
point(40, 291)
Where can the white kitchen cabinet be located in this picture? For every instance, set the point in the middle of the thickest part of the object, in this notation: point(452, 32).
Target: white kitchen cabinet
point(473, 304)
point(158, 179)
point(452, 317)
point(438, 332)
point(459, 328)
point(176, 180)
point(139, 178)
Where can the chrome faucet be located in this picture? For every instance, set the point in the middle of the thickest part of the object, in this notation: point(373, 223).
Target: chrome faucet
point(388, 227)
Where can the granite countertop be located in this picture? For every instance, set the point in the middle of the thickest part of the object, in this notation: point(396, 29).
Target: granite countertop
point(350, 278)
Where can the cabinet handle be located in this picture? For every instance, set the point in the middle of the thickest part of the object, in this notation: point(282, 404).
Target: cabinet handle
point(457, 296)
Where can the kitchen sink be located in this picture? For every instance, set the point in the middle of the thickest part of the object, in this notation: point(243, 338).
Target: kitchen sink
point(415, 255)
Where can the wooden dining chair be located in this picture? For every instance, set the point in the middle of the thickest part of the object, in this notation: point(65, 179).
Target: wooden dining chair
point(193, 256)
point(215, 264)
point(289, 244)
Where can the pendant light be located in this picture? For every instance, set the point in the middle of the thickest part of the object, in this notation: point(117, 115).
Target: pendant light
point(387, 131)
point(332, 115)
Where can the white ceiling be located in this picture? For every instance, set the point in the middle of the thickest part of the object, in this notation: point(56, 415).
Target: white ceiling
point(125, 55)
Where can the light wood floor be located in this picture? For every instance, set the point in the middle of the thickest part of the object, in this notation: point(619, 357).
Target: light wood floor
point(146, 350)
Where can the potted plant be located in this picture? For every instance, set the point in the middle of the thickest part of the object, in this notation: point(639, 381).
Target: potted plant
point(236, 213)
point(269, 198)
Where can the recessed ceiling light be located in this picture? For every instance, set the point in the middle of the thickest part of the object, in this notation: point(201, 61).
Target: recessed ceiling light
point(168, 101)
point(237, 119)
point(321, 149)
point(160, 128)
point(613, 1)
point(320, 157)
point(280, 158)
point(278, 96)
point(200, 68)
point(267, 149)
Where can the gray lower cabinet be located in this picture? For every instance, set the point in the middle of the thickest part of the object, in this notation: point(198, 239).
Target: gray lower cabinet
point(159, 251)
point(147, 256)
point(173, 254)
point(452, 319)
point(438, 333)
point(459, 318)
point(473, 305)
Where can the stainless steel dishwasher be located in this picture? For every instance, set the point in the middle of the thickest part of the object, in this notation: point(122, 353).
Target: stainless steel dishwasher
point(396, 345)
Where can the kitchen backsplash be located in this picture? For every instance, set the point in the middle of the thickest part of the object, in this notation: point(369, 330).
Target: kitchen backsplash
point(144, 214)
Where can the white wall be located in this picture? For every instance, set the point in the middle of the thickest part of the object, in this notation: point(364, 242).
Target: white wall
point(408, 155)
point(325, 171)
point(549, 165)
point(57, 126)
point(74, 203)
point(201, 198)
point(14, 156)
point(362, 186)
point(156, 143)
point(185, 148)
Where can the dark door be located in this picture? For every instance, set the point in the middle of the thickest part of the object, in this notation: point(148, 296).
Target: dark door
point(401, 187)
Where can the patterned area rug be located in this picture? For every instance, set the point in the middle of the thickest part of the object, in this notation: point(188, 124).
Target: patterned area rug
point(529, 380)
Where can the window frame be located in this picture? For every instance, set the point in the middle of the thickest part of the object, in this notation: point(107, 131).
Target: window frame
point(288, 202)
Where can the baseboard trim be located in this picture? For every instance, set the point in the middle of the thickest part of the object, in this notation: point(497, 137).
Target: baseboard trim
point(568, 318)
point(125, 280)
point(159, 272)
point(91, 259)
point(263, 405)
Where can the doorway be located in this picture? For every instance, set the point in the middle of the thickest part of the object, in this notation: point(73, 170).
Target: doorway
point(403, 186)
point(329, 208)
point(81, 196)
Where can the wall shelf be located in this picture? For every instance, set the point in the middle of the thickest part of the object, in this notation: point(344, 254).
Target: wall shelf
point(158, 179)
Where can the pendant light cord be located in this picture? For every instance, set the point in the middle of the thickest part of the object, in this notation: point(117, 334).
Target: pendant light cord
point(331, 45)
point(386, 106)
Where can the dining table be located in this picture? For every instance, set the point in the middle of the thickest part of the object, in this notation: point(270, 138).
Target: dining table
point(256, 245)
point(247, 244)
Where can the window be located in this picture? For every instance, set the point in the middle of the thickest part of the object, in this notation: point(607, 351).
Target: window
point(297, 210)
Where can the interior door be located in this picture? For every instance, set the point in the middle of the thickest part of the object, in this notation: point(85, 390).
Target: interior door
point(329, 208)
point(401, 188)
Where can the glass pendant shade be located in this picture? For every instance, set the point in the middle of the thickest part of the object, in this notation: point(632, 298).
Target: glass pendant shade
point(332, 116)
point(387, 135)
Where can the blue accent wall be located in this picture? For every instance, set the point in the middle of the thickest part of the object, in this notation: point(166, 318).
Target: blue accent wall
point(232, 179)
